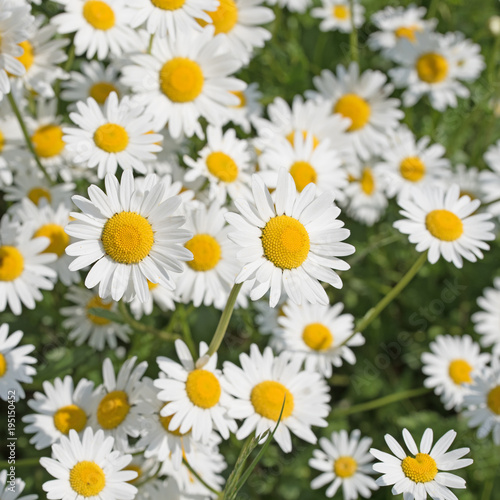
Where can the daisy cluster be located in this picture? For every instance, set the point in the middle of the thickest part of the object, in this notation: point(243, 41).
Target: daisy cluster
point(143, 181)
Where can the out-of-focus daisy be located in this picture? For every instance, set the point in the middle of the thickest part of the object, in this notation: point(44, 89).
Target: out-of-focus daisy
point(318, 335)
point(14, 364)
point(441, 222)
point(10, 152)
point(420, 475)
point(364, 99)
point(450, 367)
point(23, 266)
point(226, 162)
point(408, 162)
point(59, 409)
point(290, 243)
point(468, 59)
point(264, 385)
point(490, 179)
point(100, 27)
point(337, 15)
point(88, 468)
point(248, 109)
point(185, 79)
point(158, 295)
point(344, 461)
point(195, 399)
point(146, 469)
point(486, 321)
point(129, 236)
point(84, 326)
point(292, 5)
point(9, 493)
point(468, 180)
point(118, 135)
point(267, 317)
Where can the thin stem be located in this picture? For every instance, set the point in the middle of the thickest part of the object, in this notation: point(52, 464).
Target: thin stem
point(488, 489)
point(224, 320)
point(22, 462)
point(235, 475)
point(150, 45)
point(197, 476)
point(27, 137)
point(353, 37)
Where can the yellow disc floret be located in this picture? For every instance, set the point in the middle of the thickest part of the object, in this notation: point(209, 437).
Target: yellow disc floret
point(412, 168)
point(291, 138)
point(134, 468)
point(285, 242)
point(241, 96)
point(168, 4)
point(355, 108)
point(70, 417)
point(48, 141)
point(11, 263)
point(37, 193)
point(97, 302)
point(111, 138)
point(28, 56)
point(222, 166)
point(206, 252)
point(2, 141)
point(303, 173)
point(493, 400)
point(345, 466)
point(341, 12)
point(3, 365)
point(267, 399)
point(444, 225)
point(460, 371)
point(420, 469)
point(408, 32)
point(367, 181)
point(113, 409)
point(100, 91)
point(317, 336)
point(87, 478)
point(127, 237)
point(99, 15)
point(224, 18)
point(203, 388)
point(59, 240)
point(165, 422)
point(432, 67)
point(181, 79)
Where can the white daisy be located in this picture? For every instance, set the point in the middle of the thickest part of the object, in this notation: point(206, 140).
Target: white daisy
point(490, 179)
point(11, 154)
point(487, 320)
point(468, 180)
point(292, 5)
point(185, 79)
point(195, 397)
point(59, 409)
point(158, 295)
point(364, 99)
point(129, 235)
point(470, 63)
point(88, 468)
point(266, 318)
point(7, 492)
point(318, 335)
point(14, 364)
point(441, 222)
point(290, 243)
point(344, 461)
point(419, 476)
point(450, 367)
point(267, 384)
point(249, 107)
point(337, 15)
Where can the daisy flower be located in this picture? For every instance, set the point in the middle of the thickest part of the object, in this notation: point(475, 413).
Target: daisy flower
point(318, 335)
point(11, 154)
point(100, 27)
point(408, 162)
point(248, 109)
point(470, 63)
point(264, 385)
point(159, 295)
point(290, 243)
point(9, 493)
point(441, 222)
point(195, 398)
point(129, 236)
point(490, 179)
point(468, 180)
point(450, 366)
point(292, 5)
point(337, 15)
point(118, 135)
point(59, 409)
point(487, 320)
point(23, 266)
point(418, 476)
point(185, 79)
point(266, 318)
point(344, 461)
point(226, 162)
point(14, 364)
point(364, 100)
point(88, 468)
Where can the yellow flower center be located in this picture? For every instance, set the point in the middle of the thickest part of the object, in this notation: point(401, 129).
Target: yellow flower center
point(203, 388)
point(432, 67)
point(224, 18)
point(28, 56)
point(134, 468)
point(87, 478)
point(345, 467)
point(11, 263)
point(37, 193)
point(100, 91)
point(206, 252)
point(267, 399)
point(3, 365)
point(459, 371)
point(165, 422)
point(127, 237)
point(222, 166)
point(341, 12)
point(303, 173)
point(48, 141)
point(444, 225)
point(285, 242)
point(367, 181)
point(70, 417)
point(291, 138)
point(99, 15)
point(493, 400)
point(181, 79)
point(96, 301)
point(111, 138)
point(59, 240)
point(152, 286)
point(407, 32)
point(113, 409)
point(241, 96)
point(168, 4)
point(420, 469)
point(317, 336)
point(2, 141)
point(355, 108)
point(412, 168)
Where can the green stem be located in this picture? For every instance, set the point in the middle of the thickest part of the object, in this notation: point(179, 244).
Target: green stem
point(150, 45)
point(197, 476)
point(353, 36)
point(235, 475)
point(224, 320)
point(27, 137)
point(377, 244)
point(488, 489)
point(22, 462)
